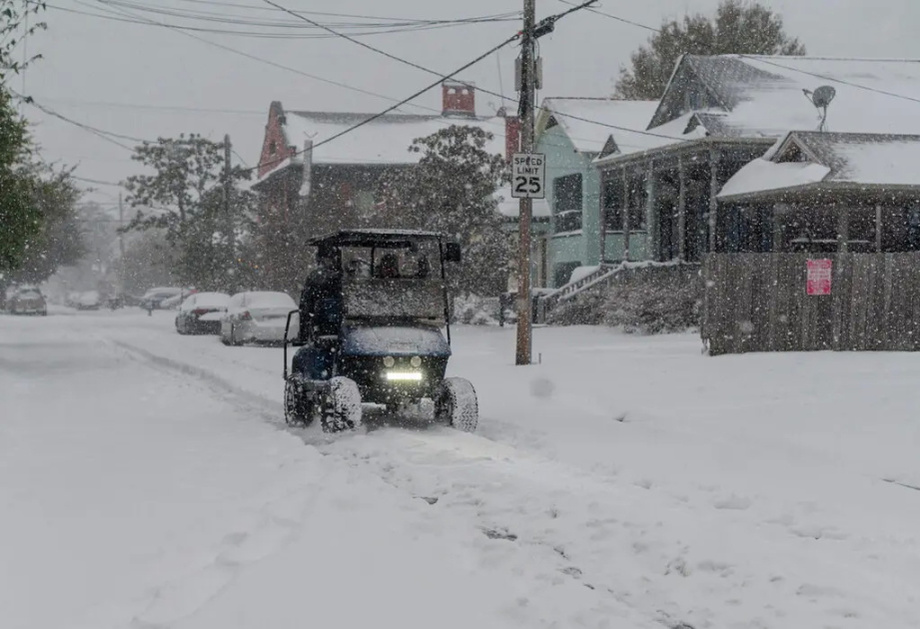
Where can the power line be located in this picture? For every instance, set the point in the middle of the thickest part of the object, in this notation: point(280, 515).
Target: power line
point(174, 108)
point(830, 78)
point(616, 17)
point(346, 15)
point(362, 28)
point(263, 60)
point(496, 94)
point(108, 136)
point(441, 79)
point(97, 181)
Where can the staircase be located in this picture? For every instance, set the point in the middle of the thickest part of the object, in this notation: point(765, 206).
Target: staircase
point(603, 273)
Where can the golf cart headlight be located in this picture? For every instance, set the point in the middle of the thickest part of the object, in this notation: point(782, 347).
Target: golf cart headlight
point(388, 361)
point(404, 376)
point(416, 361)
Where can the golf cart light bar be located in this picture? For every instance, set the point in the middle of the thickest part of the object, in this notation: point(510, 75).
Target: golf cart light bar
point(414, 376)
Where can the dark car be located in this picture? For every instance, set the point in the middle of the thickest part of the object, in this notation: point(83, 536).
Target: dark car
point(153, 298)
point(200, 313)
point(28, 300)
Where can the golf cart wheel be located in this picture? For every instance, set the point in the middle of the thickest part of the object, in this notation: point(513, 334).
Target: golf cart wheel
point(456, 404)
point(341, 406)
point(298, 410)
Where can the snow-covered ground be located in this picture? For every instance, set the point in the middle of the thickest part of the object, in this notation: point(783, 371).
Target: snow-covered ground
point(146, 480)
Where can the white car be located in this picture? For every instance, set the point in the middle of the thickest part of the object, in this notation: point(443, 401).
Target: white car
point(89, 300)
point(257, 317)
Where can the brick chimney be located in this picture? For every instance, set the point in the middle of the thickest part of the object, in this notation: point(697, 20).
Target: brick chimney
point(458, 99)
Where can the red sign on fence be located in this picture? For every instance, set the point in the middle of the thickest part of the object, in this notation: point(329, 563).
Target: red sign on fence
point(819, 277)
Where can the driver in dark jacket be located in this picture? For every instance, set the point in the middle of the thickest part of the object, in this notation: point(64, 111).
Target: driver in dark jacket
point(321, 299)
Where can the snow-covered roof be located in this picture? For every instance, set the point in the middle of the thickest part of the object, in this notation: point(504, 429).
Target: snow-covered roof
point(589, 122)
point(384, 140)
point(763, 95)
point(804, 158)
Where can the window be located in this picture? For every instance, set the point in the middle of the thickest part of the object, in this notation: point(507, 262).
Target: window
point(567, 201)
point(625, 199)
point(272, 147)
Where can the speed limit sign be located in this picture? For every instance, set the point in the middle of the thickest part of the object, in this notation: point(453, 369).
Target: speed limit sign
point(528, 173)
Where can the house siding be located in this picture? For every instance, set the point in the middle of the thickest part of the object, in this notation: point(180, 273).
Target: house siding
point(581, 246)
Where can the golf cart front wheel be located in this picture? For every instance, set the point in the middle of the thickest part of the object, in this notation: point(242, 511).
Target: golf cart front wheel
point(456, 404)
point(341, 406)
point(298, 410)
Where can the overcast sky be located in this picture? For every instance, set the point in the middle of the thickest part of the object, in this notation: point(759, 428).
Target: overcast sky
point(124, 77)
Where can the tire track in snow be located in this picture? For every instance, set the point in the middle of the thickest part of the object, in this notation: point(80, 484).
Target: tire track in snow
point(561, 528)
point(175, 600)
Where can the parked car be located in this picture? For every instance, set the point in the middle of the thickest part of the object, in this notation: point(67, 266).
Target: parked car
point(89, 300)
point(153, 299)
point(28, 300)
point(200, 313)
point(256, 317)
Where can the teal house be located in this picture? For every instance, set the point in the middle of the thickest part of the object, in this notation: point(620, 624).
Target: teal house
point(572, 132)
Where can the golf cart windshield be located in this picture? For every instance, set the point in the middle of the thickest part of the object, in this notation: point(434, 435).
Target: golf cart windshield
point(391, 299)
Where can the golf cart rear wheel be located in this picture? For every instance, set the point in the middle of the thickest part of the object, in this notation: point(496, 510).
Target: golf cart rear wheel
point(456, 404)
point(298, 410)
point(341, 405)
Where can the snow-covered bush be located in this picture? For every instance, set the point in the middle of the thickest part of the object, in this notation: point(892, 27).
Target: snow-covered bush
point(652, 300)
point(475, 310)
point(586, 308)
point(653, 308)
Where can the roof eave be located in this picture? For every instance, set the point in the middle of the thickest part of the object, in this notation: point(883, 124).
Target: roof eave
point(822, 186)
point(274, 174)
point(615, 161)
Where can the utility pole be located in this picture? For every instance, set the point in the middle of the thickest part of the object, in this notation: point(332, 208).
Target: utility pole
point(524, 310)
point(228, 216)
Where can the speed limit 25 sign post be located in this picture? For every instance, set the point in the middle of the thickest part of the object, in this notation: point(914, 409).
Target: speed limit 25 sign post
point(528, 174)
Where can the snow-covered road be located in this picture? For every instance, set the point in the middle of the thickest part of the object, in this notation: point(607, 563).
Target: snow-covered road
point(146, 481)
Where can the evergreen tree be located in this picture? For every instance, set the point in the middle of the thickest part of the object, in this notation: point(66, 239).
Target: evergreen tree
point(58, 239)
point(184, 198)
point(452, 190)
point(739, 27)
point(19, 216)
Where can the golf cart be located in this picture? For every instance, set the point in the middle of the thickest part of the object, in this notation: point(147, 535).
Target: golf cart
point(384, 345)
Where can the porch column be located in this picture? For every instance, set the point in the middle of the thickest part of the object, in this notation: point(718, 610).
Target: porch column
point(778, 210)
point(878, 228)
point(843, 229)
point(681, 210)
point(602, 214)
point(651, 215)
point(714, 159)
point(626, 206)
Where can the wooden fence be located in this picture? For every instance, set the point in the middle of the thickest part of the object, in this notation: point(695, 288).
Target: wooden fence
point(759, 303)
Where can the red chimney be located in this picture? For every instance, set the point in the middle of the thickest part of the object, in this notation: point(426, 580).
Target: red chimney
point(512, 136)
point(458, 99)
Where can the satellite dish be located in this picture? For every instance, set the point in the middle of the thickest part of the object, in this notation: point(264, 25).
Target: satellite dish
point(821, 98)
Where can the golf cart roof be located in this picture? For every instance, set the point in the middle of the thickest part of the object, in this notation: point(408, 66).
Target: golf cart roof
point(375, 238)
